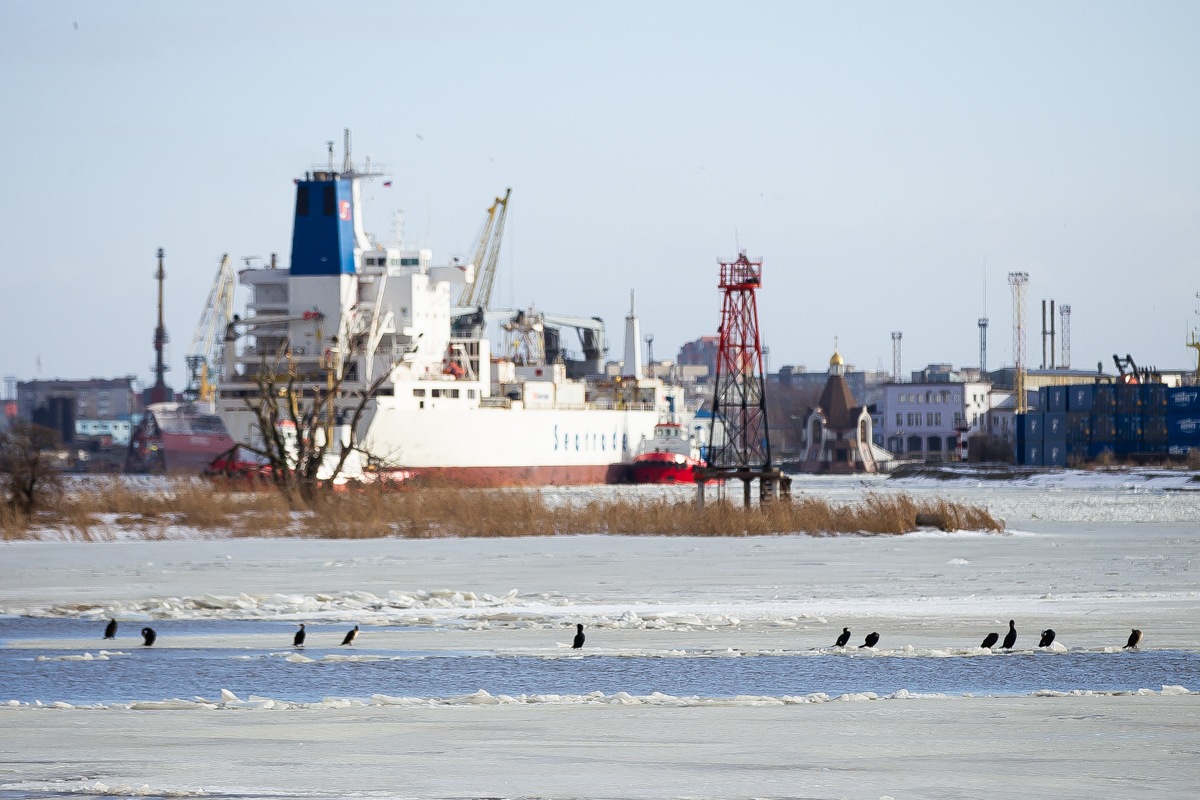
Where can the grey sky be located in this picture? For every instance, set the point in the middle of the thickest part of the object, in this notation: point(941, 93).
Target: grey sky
point(873, 154)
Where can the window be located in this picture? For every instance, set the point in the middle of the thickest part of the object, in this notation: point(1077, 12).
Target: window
point(302, 201)
point(951, 443)
point(454, 393)
point(435, 392)
point(410, 262)
point(918, 398)
point(862, 431)
point(937, 418)
point(958, 418)
point(395, 262)
point(418, 392)
point(929, 419)
point(914, 444)
point(470, 394)
point(935, 443)
point(329, 206)
point(902, 399)
point(899, 420)
point(928, 398)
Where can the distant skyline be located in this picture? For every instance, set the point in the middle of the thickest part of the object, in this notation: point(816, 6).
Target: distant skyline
point(874, 155)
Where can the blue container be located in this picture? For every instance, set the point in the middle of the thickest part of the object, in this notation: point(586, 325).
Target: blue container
point(1181, 449)
point(1154, 398)
point(1054, 398)
point(1129, 398)
point(1154, 428)
point(1029, 454)
point(1128, 448)
point(1129, 428)
point(1097, 449)
point(1183, 428)
point(1183, 400)
point(1054, 426)
point(1029, 427)
point(1081, 397)
point(1054, 454)
point(1104, 399)
point(1079, 425)
point(1104, 427)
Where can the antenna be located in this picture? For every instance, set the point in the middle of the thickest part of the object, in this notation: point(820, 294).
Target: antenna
point(1065, 311)
point(347, 162)
point(650, 353)
point(330, 144)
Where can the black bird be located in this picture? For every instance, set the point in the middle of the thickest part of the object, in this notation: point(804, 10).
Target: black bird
point(351, 636)
point(1010, 638)
point(298, 639)
point(841, 640)
point(1047, 638)
point(148, 636)
point(990, 640)
point(577, 644)
point(110, 630)
point(1135, 639)
point(871, 640)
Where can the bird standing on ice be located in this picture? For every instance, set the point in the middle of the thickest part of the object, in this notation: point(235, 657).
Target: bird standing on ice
point(110, 630)
point(841, 640)
point(871, 640)
point(351, 636)
point(1047, 638)
point(298, 639)
point(577, 643)
point(1135, 639)
point(990, 640)
point(148, 637)
point(1010, 638)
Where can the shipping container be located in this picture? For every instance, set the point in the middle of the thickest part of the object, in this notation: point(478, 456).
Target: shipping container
point(1080, 397)
point(1029, 454)
point(1129, 398)
point(1104, 399)
point(1181, 449)
point(1098, 449)
point(1154, 428)
point(1079, 425)
point(1056, 398)
point(1154, 398)
point(1183, 400)
point(1104, 427)
point(1129, 428)
point(1054, 426)
point(1183, 428)
point(1029, 427)
point(1128, 448)
point(1054, 454)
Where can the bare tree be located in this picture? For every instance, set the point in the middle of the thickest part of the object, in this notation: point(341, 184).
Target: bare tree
point(27, 470)
point(287, 400)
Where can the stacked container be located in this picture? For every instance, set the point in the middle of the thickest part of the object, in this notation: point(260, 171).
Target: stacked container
point(1029, 439)
point(1183, 419)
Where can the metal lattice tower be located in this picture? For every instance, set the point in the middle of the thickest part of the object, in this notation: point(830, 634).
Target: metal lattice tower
point(740, 401)
point(896, 336)
point(983, 326)
point(1065, 313)
point(1018, 282)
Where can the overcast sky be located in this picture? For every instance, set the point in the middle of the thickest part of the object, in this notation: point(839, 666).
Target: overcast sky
point(874, 155)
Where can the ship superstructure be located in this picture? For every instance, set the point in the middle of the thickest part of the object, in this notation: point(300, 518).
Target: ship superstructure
point(447, 408)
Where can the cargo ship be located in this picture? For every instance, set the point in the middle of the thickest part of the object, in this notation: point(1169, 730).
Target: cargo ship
point(670, 457)
point(449, 410)
point(175, 437)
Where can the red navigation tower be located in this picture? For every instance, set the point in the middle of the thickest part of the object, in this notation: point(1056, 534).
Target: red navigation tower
point(739, 440)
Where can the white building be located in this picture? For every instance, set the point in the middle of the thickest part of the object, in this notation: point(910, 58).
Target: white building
point(923, 420)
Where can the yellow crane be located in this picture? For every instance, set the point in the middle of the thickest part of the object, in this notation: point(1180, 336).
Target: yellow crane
point(487, 257)
point(206, 356)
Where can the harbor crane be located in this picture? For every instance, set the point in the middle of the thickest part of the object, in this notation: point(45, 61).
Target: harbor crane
point(206, 356)
point(487, 257)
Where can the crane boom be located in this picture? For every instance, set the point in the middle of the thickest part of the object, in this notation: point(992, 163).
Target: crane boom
point(206, 356)
point(487, 256)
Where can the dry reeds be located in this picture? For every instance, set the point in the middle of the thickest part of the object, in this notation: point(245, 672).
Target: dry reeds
point(95, 512)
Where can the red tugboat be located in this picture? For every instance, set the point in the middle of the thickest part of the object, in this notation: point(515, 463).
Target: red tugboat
point(668, 458)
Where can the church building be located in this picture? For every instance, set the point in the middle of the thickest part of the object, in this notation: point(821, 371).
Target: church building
point(837, 433)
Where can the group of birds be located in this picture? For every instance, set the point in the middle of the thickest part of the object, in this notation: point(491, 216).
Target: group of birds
point(989, 641)
point(872, 639)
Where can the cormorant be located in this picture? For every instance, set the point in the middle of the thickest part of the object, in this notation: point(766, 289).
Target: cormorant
point(841, 640)
point(1135, 639)
point(1010, 638)
point(1047, 638)
point(871, 640)
point(990, 640)
point(110, 630)
point(148, 636)
point(351, 636)
point(578, 641)
point(298, 639)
